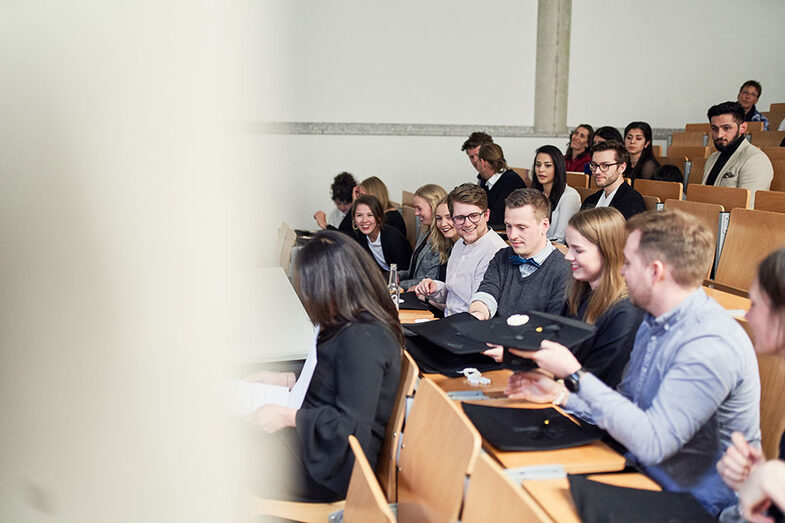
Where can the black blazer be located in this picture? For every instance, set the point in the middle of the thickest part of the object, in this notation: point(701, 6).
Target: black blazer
point(394, 219)
point(508, 182)
point(395, 246)
point(627, 200)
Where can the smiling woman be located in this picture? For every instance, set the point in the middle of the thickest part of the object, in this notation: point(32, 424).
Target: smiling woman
point(578, 155)
point(550, 177)
point(386, 244)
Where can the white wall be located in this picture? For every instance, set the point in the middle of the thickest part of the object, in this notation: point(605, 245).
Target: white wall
point(667, 62)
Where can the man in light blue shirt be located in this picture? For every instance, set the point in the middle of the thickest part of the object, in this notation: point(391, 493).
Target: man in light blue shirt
point(692, 379)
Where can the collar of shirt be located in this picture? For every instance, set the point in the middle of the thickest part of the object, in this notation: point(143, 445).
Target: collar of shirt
point(666, 320)
point(540, 257)
point(605, 201)
point(493, 179)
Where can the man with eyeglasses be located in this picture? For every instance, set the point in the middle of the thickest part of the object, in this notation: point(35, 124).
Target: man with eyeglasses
point(737, 163)
point(470, 255)
point(749, 93)
point(608, 161)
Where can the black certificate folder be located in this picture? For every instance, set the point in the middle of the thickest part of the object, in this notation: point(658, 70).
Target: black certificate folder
point(445, 334)
point(512, 429)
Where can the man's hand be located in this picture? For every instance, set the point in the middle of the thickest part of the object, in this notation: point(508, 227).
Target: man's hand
point(321, 219)
point(763, 486)
point(479, 310)
point(738, 461)
point(425, 288)
point(272, 418)
point(496, 352)
point(552, 357)
point(533, 386)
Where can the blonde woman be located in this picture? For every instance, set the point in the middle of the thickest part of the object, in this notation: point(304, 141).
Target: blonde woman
point(425, 259)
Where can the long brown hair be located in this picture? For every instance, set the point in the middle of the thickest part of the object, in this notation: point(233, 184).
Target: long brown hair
point(339, 283)
point(605, 228)
point(375, 187)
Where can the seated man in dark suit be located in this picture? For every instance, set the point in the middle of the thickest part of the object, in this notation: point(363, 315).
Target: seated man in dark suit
point(497, 179)
point(608, 161)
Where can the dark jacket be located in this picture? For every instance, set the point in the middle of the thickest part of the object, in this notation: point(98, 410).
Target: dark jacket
point(508, 182)
point(627, 201)
point(395, 247)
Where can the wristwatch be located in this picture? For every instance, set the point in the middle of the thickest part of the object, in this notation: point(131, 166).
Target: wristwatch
point(572, 382)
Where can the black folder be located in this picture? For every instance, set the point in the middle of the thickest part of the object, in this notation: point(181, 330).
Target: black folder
point(597, 502)
point(432, 358)
point(409, 302)
point(529, 429)
point(446, 335)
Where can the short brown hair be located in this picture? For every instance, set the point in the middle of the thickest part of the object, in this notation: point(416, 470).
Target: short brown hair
point(475, 139)
point(677, 239)
point(470, 194)
point(373, 204)
point(622, 156)
point(540, 203)
point(752, 83)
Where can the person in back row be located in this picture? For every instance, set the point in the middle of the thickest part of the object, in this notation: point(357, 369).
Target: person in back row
point(748, 96)
point(737, 163)
point(497, 179)
point(609, 160)
point(468, 205)
point(578, 152)
point(531, 274)
point(426, 258)
point(472, 147)
point(637, 140)
point(342, 194)
point(692, 378)
point(550, 177)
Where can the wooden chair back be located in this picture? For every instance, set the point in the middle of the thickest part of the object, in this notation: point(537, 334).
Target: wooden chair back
point(728, 197)
point(576, 180)
point(283, 246)
point(386, 466)
point(656, 150)
point(689, 138)
point(407, 198)
point(365, 501)
point(768, 138)
point(651, 202)
point(492, 496)
point(689, 151)
point(774, 153)
point(678, 161)
point(698, 127)
point(778, 181)
point(524, 174)
point(410, 220)
point(662, 190)
point(752, 235)
point(754, 127)
point(584, 193)
point(772, 201)
point(772, 409)
point(696, 170)
point(440, 448)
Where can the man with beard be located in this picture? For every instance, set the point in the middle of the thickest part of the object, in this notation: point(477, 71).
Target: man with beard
point(692, 378)
point(609, 159)
point(737, 163)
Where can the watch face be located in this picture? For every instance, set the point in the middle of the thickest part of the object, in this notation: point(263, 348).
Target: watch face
point(571, 383)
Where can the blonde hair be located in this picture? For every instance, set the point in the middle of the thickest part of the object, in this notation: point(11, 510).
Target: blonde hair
point(432, 194)
point(439, 242)
point(605, 228)
point(374, 186)
point(677, 239)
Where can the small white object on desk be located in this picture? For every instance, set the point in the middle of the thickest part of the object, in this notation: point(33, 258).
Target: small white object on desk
point(475, 377)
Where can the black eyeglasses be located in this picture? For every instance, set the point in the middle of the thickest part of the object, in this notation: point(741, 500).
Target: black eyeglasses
point(603, 167)
point(473, 217)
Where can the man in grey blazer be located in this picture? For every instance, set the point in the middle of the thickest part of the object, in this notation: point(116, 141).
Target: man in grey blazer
point(737, 163)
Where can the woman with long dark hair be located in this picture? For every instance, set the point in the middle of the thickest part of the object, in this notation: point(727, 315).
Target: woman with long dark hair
point(355, 381)
point(550, 177)
point(637, 141)
point(579, 149)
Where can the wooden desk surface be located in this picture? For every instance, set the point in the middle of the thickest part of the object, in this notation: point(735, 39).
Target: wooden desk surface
point(412, 316)
point(595, 457)
point(554, 497)
point(727, 300)
point(498, 382)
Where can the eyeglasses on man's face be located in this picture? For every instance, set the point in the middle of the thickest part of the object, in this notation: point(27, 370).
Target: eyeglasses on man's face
point(602, 167)
point(473, 217)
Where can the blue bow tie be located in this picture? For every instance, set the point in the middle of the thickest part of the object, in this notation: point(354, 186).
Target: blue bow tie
point(517, 260)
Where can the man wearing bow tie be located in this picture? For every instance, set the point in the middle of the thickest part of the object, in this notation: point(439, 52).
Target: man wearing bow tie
point(532, 274)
